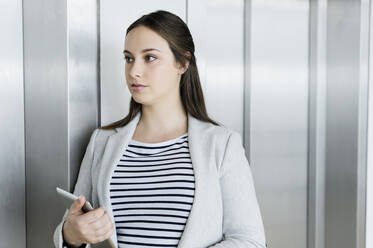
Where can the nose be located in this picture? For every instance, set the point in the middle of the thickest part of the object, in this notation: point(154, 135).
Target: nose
point(135, 69)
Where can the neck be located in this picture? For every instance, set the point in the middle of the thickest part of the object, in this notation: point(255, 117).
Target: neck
point(161, 119)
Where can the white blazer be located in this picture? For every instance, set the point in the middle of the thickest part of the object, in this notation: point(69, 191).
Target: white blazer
point(225, 211)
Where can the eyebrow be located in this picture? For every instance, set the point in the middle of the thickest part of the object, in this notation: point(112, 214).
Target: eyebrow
point(143, 51)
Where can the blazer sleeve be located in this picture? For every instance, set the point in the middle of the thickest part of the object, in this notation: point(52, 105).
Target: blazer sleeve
point(242, 221)
point(83, 186)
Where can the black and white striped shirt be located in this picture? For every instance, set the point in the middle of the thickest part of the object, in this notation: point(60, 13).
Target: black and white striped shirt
point(151, 192)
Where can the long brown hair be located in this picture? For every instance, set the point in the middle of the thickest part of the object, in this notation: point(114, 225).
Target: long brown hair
point(173, 29)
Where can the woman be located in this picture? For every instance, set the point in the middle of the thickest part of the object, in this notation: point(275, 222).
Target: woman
point(166, 175)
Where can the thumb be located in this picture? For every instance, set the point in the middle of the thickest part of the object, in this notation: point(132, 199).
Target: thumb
point(77, 205)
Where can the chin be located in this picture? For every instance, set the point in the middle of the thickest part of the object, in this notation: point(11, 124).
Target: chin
point(139, 100)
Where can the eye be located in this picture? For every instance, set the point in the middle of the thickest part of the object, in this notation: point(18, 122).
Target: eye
point(148, 56)
point(126, 58)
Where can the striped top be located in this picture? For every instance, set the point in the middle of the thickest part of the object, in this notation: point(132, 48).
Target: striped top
point(151, 193)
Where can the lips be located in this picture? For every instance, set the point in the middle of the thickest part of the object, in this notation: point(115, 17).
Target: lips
point(137, 87)
point(136, 84)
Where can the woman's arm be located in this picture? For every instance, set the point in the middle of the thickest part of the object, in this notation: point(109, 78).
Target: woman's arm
point(242, 221)
point(83, 186)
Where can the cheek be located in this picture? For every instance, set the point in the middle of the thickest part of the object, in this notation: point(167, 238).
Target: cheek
point(126, 74)
point(161, 74)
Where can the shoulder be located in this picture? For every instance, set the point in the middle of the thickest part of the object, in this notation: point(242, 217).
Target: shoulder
point(222, 132)
point(225, 143)
point(221, 137)
point(99, 136)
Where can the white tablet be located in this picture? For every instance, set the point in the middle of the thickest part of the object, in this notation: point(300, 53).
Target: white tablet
point(71, 198)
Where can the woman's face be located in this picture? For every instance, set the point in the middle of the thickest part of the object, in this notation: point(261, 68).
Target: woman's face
point(149, 61)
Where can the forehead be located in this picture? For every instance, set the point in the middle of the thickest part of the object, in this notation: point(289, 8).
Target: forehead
point(141, 38)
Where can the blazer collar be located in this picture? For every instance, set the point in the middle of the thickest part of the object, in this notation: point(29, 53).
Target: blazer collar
point(117, 144)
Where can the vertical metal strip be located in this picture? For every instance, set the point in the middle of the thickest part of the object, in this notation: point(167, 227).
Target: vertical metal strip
point(345, 121)
point(317, 122)
point(24, 125)
point(99, 63)
point(369, 179)
point(186, 11)
point(246, 77)
point(363, 121)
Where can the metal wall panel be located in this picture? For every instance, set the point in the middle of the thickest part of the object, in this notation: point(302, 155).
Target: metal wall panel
point(83, 79)
point(61, 105)
point(345, 141)
point(45, 65)
point(115, 17)
point(278, 110)
point(12, 152)
point(369, 178)
point(224, 37)
point(317, 124)
point(362, 119)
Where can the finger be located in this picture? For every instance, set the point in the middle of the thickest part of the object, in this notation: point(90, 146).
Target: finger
point(105, 233)
point(93, 215)
point(104, 229)
point(99, 235)
point(77, 205)
point(109, 231)
point(101, 222)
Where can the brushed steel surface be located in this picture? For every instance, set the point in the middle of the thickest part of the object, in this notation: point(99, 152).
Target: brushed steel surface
point(369, 178)
point(317, 124)
point(224, 36)
point(344, 166)
point(61, 105)
point(362, 124)
point(83, 79)
point(279, 117)
point(12, 143)
point(46, 114)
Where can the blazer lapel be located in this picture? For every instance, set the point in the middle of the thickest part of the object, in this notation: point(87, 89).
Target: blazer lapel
point(196, 141)
point(114, 149)
point(117, 144)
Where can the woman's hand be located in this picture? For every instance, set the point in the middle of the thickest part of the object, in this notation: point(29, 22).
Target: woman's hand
point(91, 227)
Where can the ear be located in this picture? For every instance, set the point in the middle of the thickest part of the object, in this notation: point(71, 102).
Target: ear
point(183, 69)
